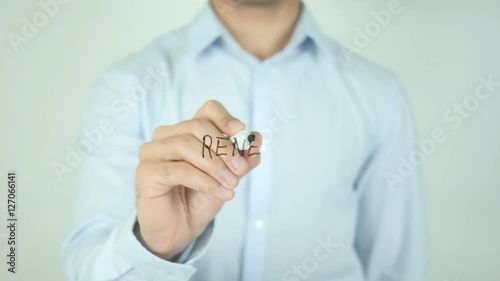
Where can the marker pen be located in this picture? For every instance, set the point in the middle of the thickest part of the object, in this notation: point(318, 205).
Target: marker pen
point(243, 140)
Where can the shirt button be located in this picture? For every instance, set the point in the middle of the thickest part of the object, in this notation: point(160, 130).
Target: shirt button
point(258, 224)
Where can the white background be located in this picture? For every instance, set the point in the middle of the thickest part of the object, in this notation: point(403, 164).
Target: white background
point(438, 48)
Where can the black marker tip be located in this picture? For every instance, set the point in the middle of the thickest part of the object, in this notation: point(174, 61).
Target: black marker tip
point(251, 138)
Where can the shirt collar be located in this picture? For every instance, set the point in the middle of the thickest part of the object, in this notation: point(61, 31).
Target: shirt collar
point(207, 29)
point(204, 31)
point(307, 28)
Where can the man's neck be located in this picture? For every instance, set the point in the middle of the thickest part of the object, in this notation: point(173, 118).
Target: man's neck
point(262, 30)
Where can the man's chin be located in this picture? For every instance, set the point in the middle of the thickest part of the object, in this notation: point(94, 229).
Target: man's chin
point(256, 2)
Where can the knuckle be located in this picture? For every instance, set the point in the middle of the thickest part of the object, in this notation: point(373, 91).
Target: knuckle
point(142, 175)
point(181, 170)
point(166, 141)
point(143, 150)
point(178, 141)
point(199, 125)
point(200, 203)
point(166, 145)
point(158, 132)
point(165, 170)
point(140, 170)
point(212, 103)
point(256, 161)
point(211, 188)
point(246, 170)
point(183, 140)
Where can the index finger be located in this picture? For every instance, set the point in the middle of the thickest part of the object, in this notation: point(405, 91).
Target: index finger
point(216, 113)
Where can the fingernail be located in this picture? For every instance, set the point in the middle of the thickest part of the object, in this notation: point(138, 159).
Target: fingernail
point(239, 163)
point(226, 193)
point(230, 179)
point(233, 124)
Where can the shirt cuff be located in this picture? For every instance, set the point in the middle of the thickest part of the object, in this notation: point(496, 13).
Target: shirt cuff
point(144, 264)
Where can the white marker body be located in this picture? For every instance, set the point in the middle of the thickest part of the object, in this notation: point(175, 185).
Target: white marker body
point(242, 140)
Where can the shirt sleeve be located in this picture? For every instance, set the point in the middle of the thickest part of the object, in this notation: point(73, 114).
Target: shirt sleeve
point(101, 244)
point(392, 233)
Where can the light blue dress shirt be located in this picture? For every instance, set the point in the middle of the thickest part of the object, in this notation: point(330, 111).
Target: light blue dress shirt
point(328, 201)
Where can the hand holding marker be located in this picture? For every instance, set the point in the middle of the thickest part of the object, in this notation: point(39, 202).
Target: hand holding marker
point(178, 192)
